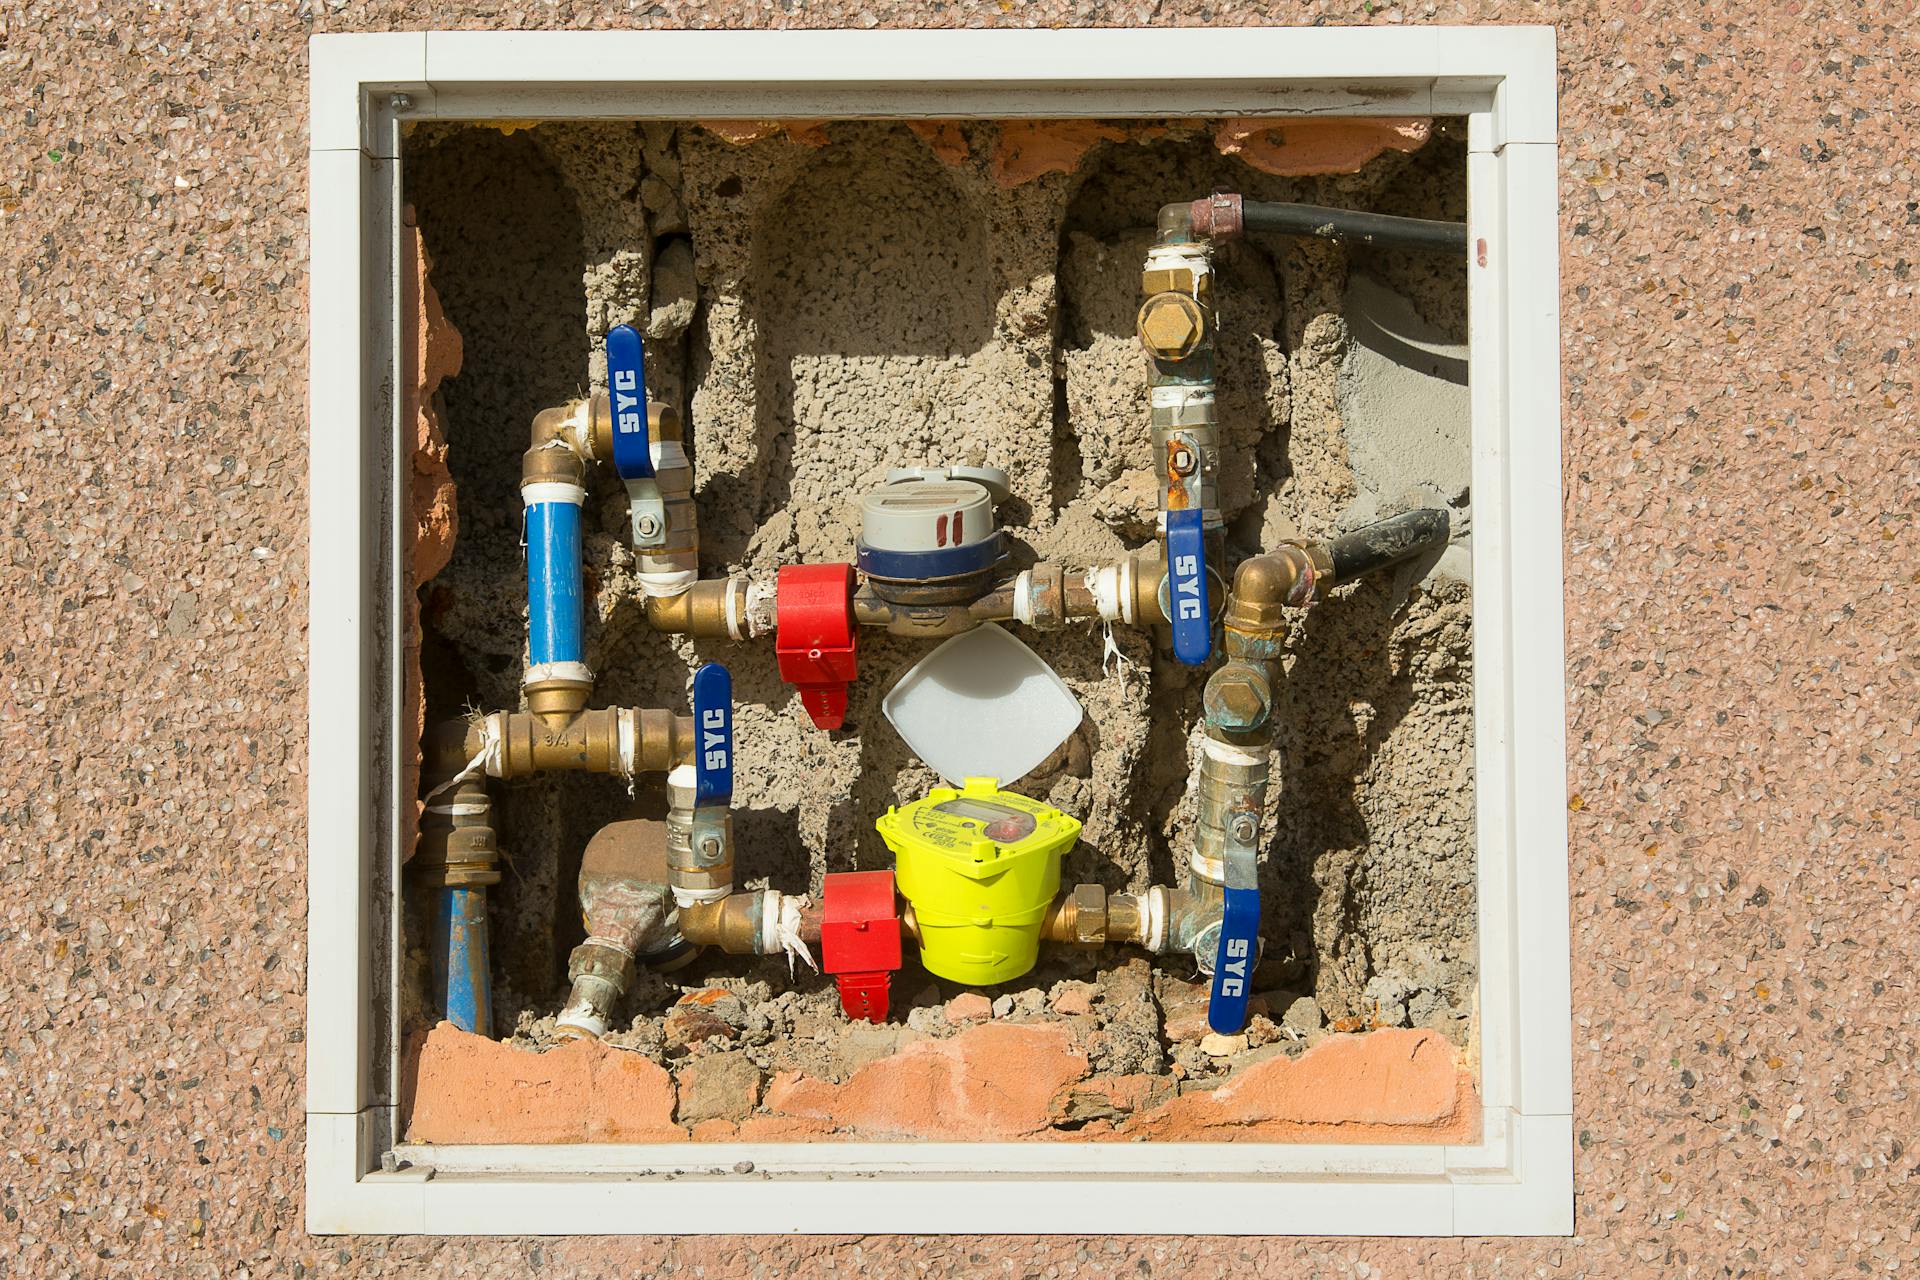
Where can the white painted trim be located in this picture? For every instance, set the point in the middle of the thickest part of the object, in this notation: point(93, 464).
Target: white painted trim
point(1516, 1179)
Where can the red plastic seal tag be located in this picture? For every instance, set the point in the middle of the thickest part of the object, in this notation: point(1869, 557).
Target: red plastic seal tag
point(860, 939)
point(813, 637)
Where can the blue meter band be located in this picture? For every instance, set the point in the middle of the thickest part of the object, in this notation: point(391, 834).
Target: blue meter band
point(1187, 605)
point(713, 728)
point(627, 391)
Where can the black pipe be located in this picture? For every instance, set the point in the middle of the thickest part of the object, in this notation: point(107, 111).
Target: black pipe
point(1352, 224)
point(1390, 542)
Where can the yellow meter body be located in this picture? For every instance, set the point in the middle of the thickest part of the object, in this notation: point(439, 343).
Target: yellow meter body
point(980, 866)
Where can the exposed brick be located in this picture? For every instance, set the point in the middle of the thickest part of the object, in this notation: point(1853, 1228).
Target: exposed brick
point(994, 1081)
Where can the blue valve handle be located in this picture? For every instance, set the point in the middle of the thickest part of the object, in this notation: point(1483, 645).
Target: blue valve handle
point(1239, 948)
point(1187, 603)
point(713, 726)
point(627, 387)
point(1233, 964)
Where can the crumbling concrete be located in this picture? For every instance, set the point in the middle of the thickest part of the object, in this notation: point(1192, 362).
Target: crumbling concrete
point(829, 300)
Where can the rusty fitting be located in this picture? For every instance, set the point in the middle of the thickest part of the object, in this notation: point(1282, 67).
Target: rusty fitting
point(735, 923)
point(1040, 596)
point(1192, 913)
point(457, 847)
point(1264, 588)
point(1220, 216)
point(1238, 699)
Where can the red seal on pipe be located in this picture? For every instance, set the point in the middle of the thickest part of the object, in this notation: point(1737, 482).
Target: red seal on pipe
point(860, 939)
point(813, 638)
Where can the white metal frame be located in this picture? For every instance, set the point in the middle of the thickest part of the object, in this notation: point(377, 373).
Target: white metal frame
point(1518, 1179)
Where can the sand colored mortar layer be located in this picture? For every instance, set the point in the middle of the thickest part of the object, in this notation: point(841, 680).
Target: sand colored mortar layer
point(1737, 292)
point(867, 296)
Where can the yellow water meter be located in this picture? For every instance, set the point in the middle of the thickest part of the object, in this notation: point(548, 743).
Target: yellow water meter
point(980, 866)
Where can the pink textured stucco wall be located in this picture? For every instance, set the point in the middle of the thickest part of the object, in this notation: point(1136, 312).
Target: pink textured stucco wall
point(1741, 474)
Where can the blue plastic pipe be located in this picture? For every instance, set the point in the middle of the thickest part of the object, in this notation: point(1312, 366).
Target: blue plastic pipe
point(554, 588)
point(460, 960)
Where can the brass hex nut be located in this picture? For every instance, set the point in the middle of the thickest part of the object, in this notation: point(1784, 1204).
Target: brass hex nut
point(1171, 325)
point(1089, 915)
point(1237, 699)
point(1173, 280)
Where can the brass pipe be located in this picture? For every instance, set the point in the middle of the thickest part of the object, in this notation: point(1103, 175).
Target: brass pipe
point(716, 607)
point(731, 924)
point(529, 742)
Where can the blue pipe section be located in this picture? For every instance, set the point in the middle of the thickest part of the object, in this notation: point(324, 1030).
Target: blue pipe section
point(461, 973)
point(554, 588)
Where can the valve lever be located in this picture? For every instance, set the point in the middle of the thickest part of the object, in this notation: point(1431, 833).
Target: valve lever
point(632, 443)
point(1239, 949)
point(1187, 603)
point(713, 729)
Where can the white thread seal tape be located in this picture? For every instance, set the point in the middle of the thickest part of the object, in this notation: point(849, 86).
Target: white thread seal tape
point(787, 930)
point(664, 585)
point(581, 1017)
point(1023, 597)
point(626, 736)
point(556, 671)
point(761, 609)
point(693, 897)
point(1227, 753)
point(1213, 870)
point(553, 491)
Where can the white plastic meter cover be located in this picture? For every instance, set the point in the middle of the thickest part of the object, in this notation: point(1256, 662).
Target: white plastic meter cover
point(926, 515)
point(982, 705)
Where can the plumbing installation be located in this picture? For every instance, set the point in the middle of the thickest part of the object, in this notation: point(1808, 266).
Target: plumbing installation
point(976, 885)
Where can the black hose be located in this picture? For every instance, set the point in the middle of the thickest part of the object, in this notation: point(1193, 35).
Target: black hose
point(1352, 224)
point(1390, 542)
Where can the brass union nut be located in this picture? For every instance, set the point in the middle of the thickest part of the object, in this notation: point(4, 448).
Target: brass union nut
point(1171, 325)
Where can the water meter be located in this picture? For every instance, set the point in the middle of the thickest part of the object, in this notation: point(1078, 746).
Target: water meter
point(981, 866)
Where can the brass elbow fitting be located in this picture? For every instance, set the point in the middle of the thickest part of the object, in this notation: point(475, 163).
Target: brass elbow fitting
point(715, 607)
point(1264, 588)
point(733, 924)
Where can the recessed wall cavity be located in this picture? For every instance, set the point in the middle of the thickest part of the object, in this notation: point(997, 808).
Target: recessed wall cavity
point(824, 302)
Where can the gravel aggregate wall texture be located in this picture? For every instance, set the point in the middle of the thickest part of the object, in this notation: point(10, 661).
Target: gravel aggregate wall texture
point(1739, 220)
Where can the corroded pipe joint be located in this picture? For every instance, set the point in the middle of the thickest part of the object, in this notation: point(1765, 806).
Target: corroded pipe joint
point(1192, 913)
point(1238, 700)
point(1220, 216)
point(735, 924)
point(1040, 596)
point(1266, 586)
point(457, 847)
